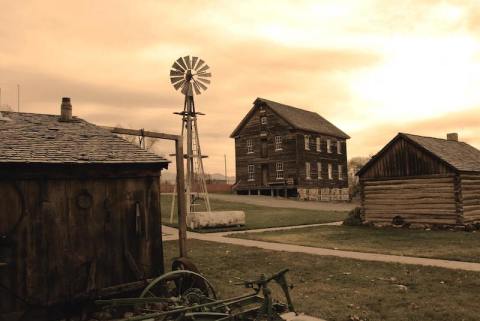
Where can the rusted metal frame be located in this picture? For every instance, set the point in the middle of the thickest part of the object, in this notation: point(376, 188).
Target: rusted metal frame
point(183, 309)
point(182, 221)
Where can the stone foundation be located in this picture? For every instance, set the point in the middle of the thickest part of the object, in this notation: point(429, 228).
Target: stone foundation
point(323, 194)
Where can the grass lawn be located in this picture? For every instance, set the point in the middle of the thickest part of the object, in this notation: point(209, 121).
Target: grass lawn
point(260, 216)
point(460, 246)
point(340, 289)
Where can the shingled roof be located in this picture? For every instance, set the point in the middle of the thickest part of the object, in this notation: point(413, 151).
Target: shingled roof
point(458, 155)
point(297, 118)
point(40, 138)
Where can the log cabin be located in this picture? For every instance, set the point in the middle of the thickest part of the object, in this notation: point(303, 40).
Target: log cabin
point(79, 212)
point(286, 151)
point(422, 180)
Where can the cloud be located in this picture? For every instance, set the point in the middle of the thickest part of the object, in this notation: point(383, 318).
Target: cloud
point(372, 139)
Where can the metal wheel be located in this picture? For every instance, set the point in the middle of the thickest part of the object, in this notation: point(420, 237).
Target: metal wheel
point(184, 285)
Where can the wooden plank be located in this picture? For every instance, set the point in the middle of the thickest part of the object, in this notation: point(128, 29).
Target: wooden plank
point(411, 187)
point(409, 211)
point(410, 207)
point(419, 221)
point(473, 213)
point(386, 201)
point(469, 177)
point(467, 208)
point(471, 189)
point(410, 181)
point(389, 217)
point(410, 196)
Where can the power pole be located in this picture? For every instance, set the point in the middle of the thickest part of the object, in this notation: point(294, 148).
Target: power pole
point(225, 159)
point(18, 98)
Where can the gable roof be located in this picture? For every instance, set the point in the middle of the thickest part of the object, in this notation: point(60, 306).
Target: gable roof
point(458, 155)
point(296, 117)
point(40, 138)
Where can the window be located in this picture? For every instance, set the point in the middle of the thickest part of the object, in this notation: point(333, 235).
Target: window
point(339, 147)
point(249, 146)
point(319, 170)
point(278, 142)
point(329, 146)
point(279, 168)
point(318, 144)
point(263, 120)
point(330, 171)
point(307, 170)
point(340, 172)
point(307, 142)
point(251, 172)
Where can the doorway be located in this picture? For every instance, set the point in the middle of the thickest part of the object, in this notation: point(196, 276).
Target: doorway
point(264, 174)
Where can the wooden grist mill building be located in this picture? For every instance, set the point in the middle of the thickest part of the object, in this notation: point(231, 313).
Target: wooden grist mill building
point(425, 180)
point(79, 211)
point(282, 150)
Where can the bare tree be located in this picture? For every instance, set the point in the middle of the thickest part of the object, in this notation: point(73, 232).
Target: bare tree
point(146, 143)
point(354, 165)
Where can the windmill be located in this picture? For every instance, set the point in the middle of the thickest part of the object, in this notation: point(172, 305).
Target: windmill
point(191, 76)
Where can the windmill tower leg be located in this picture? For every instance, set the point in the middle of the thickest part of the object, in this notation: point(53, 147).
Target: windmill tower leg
point(201, 172)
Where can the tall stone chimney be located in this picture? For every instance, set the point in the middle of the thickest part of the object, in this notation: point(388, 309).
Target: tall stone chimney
point(453, 137)
point(66, 110)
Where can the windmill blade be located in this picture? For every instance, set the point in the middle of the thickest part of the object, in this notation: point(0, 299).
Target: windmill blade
point(187, 61)
point(200, 84)
point(203, 69)
point(176, 73)
point(195, 86)
point(206, 81)
point(175, 79)
point(204, 75)
point(200, 64)
point(194, 62)
point(179, 84)
point(178, 67)
point(180, 61)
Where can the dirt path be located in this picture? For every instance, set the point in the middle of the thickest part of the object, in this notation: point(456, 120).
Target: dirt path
point(283, 203)
point(172, 234)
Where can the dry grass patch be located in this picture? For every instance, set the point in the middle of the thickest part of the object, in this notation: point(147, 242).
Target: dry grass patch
point(340, 289)
point(449, 245)
point(261, 216)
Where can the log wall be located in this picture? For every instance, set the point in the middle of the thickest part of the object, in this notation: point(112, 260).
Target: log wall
point(417, 200)
point(68, 236)
point(470, 185)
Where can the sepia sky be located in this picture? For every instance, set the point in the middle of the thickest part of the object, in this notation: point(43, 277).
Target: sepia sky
point(372, 67)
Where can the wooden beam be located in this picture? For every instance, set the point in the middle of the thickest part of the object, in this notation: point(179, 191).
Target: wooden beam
point(140, 132)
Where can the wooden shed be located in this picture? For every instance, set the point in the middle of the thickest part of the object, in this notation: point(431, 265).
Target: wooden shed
point(417, 179)
point(79, 211)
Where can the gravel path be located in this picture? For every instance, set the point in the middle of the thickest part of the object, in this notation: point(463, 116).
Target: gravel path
point(172, 234)
point(283, 203)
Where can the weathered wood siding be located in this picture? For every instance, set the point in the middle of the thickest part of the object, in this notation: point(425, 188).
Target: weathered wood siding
point(293, 155)
point(402, 158)
point(313, 156)
point(417, 200)
point(265, 135)
point(470, 185)
point(62, 246)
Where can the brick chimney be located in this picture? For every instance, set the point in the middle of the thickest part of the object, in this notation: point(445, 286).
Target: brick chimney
point(453, 137)
point(66, 110)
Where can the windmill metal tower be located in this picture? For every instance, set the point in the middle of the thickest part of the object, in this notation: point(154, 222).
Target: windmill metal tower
point(190, 76)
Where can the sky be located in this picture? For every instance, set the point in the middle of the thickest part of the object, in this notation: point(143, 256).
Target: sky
point(372, 67)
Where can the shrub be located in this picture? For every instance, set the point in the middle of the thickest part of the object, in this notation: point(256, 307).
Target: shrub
point(354, 217)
